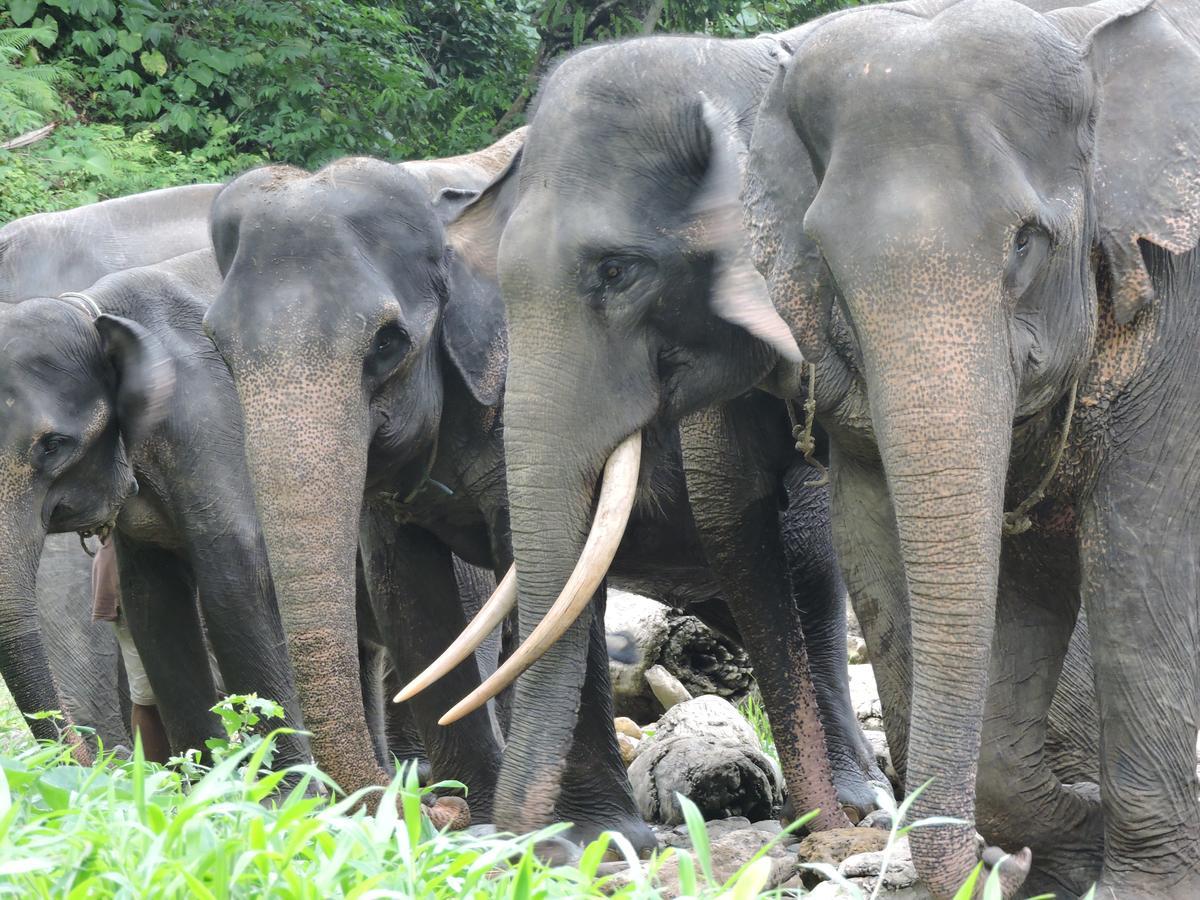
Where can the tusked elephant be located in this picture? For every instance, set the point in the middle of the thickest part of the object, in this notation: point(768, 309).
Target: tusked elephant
point(369, 347)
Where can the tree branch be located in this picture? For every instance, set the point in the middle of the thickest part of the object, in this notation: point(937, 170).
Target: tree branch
point(29, 137)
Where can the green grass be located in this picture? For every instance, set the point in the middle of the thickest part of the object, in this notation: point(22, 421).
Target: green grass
point(129, 828)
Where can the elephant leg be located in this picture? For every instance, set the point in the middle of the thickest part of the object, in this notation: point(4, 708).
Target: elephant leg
point(735, 501)
point(158, 602)
point(415, 599)
point(402, 737)
point(244, 631)
point(1020, 801)
point(1073, 724)
point(864, 533)
point(820, 596)
point(1139, 543)
point(596, 795)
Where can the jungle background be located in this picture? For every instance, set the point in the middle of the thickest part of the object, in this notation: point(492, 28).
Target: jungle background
point(101, 98)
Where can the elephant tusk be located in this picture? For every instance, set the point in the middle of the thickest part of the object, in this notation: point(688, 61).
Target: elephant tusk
point(617, 494)
point(491, 614)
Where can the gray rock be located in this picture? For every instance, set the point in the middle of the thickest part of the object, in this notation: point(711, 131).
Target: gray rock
point(865, 697)
point(635, 628)
point(728, 853)
point(856, 650)
point(877, 818)
point(711, 718)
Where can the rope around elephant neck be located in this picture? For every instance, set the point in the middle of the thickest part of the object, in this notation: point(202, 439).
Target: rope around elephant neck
point(802, 431)
point(1018, 521)
point(1015, 522)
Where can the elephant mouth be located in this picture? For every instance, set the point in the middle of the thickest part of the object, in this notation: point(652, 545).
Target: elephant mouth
point(618, 492)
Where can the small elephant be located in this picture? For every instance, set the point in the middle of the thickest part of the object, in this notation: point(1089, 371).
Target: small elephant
point(119, 415)
point(368, 343)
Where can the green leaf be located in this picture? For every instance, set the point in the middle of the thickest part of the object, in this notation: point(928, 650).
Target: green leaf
point(694, 820)
point(967, 891)
point(128, 41)
point(154, 62)
point(22, 11)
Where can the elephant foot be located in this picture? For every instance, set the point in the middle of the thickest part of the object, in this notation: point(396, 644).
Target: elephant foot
point(858, 779)
point(636, 831)
point(446, 812)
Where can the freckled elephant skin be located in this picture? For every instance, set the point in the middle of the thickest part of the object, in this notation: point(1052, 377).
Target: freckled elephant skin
point(949, 284)
point(96, 434)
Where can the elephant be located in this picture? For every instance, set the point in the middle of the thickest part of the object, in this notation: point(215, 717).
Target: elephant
point(605, 228)
point(404, 334)
point(1001, 312)
point(95, 439)
point(45, 254)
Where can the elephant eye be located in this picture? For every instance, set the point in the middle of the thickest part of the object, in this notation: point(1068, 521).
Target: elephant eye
point(1022, 240)
point(388, 347)
point(52, 447)
point(612, 271)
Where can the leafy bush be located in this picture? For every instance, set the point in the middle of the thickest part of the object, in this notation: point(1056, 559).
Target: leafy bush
point(27, 88)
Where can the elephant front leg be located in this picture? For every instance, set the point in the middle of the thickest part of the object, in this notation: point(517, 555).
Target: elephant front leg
point(1020, 800)
point(596, 794)
point(820, 596)
point(1139, 540)
point(410, 579)
point(735, 504)
point(864, 532)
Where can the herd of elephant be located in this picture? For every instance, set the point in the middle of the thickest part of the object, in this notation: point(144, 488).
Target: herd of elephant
point(949, 245)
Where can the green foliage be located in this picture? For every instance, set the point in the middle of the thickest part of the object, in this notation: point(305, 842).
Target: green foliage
point(80, 164)
point(28, 94)
point(755, 713)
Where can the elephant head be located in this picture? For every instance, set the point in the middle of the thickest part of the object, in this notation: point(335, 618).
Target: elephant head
point(932, 184)
point(631, 300)
point(337, 318)
point(78, 399)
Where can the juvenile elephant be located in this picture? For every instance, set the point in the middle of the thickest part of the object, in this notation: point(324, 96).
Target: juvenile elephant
point(1002, 309)
point(45, 254)
point(95, 437)
point(366, 346)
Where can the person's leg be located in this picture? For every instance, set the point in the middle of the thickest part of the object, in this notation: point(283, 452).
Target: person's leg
point(144, 718)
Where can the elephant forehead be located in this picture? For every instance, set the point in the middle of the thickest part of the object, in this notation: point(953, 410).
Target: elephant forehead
point(907, 78)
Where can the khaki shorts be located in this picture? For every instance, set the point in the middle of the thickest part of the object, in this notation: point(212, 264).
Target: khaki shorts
point(140, 691)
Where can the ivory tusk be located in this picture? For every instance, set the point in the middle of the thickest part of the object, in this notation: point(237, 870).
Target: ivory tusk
point(617, 494)
point(491, 614)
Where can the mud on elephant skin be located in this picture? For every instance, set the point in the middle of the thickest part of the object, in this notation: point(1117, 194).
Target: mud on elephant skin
point(1021, 264)
point(95, 438)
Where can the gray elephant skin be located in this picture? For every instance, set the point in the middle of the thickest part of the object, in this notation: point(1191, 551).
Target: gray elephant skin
point(1024, 264)
point(342, 298)
point(46, 254)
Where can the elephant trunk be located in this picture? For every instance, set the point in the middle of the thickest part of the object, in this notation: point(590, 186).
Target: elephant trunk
point(943, 430)
point(307, 460)
point(24, 662)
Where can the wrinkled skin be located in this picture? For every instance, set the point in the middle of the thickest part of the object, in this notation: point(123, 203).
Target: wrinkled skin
point(951, 281)
point(84, 656)
point(330, 319)
point(618, 221)
point(452, 383)
point(46, 254)
point(95, 436)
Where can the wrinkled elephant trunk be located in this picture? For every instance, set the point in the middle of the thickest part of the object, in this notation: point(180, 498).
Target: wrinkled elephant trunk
point(307, 460)
point(23, 659)
point(943, 430)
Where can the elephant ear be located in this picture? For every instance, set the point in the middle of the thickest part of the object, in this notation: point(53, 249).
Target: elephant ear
point(1146, 55)
point(474, 333)
point(714, 226)
point(144, 374)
